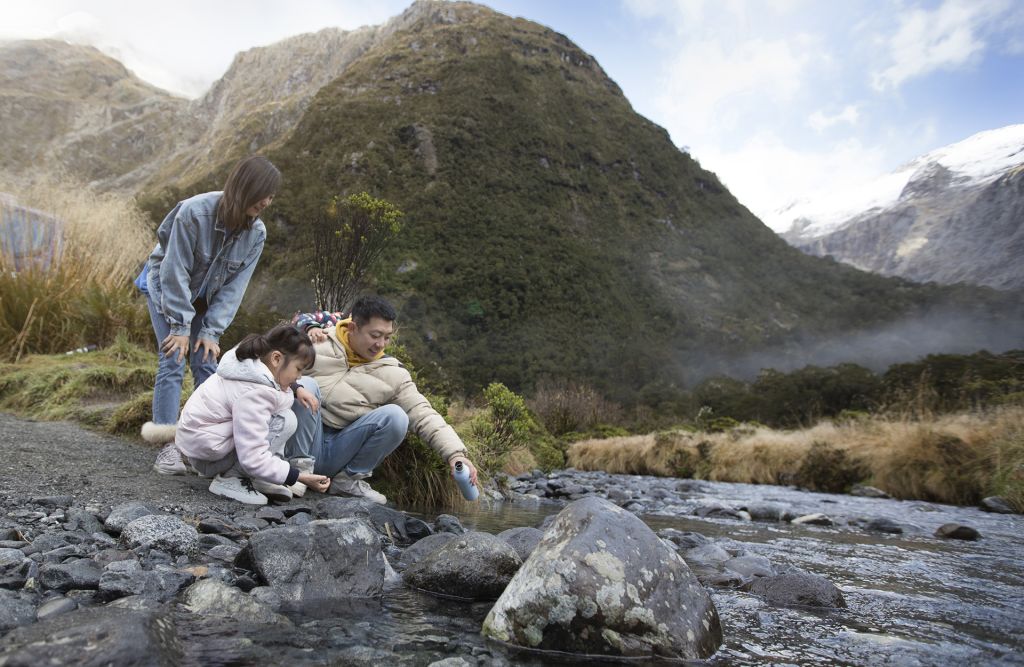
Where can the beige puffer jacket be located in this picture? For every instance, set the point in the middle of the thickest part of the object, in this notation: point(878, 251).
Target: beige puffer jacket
point(346, 394)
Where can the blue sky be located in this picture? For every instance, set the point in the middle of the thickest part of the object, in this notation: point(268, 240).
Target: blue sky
point(783, 99)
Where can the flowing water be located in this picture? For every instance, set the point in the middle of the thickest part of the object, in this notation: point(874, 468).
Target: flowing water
point(913, 599)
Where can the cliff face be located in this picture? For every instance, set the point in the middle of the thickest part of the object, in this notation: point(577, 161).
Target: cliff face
point(959, 217)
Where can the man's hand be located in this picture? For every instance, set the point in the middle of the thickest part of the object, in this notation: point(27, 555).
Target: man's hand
point(210, 348)
point(466, 462)
point(318, 483)
point(307, 398)
point(316, 334)
point(175, 344)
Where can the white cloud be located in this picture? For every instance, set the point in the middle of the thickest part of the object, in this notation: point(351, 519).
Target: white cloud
point(821, 121)
point(948, 37)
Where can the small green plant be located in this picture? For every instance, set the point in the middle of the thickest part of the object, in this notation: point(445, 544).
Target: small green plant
point(348, 236)
point(505, 425)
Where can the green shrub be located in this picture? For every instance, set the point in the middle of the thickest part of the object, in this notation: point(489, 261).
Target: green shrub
point(504, 425)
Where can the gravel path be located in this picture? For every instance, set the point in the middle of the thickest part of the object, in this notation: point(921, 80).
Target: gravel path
point(62, 458)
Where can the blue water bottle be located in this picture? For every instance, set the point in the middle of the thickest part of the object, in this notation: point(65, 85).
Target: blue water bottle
point(469, 490)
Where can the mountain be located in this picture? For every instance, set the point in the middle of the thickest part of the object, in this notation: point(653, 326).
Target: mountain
point(549, 229)
point(953, 215)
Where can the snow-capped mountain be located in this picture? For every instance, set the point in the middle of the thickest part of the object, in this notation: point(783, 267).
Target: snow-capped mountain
point(955, 214)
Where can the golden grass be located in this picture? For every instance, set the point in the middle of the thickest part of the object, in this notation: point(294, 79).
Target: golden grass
point(954, 458)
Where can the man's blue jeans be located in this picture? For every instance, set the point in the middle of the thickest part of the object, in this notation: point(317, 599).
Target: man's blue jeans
point(356, 449)
point(170, 372)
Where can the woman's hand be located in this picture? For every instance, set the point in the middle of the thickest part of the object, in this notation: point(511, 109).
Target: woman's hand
point(466, 462)
point(318, 483)
point(308, 399)
point(175, 344)
point(210, 348)
point(316, 334)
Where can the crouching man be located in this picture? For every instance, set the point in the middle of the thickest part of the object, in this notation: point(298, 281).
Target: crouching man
point(367, 403)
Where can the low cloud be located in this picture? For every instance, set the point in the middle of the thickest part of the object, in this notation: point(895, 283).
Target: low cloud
point(821, 121)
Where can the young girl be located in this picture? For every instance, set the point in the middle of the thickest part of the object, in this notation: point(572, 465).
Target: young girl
point(235, 425)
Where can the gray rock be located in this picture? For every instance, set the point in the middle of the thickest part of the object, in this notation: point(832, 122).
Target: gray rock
point(865, 491)
point(956, 531)
point(458, 661)
point(798, 589)
point(271, 514)
point(619, 496)
point(326, 560)
point(397, 526)
point(16, 569)
point(215, 525)
point(167, 533)
point(997, 504)
point(750, 566)
point(601, 582)
point(215, 598)
point(475, 566)
point(767, 511)
point(15, 610)
point(883, 525)
point(55, 607)
point(446, 523)
point(83, 573)
point(124, 514)
point(524, 540)
point(211, 541)
point(62, 502)
point(136, 603)
point(300, 519)
point(267, 596)
point(817, 519)
point(683, 539)
point(224, 552)
point(127, 577)
point(87, 522)
point(720, 511)
point(250, 524)
point(96, 636)
point(427, 545)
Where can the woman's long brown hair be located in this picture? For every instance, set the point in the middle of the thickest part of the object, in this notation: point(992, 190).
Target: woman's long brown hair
point(252, 180)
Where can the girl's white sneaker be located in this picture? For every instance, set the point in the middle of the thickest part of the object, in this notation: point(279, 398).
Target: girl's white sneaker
point(237, 488)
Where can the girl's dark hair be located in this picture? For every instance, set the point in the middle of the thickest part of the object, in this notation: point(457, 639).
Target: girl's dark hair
point(251, 181)
point(284, 338)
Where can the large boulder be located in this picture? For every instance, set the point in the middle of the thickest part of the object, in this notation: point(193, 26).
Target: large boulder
point(474, 565)
point(209, 597)
point(322, 561)
point(427, 545)
point(97, 636)
point(524, 540)
point(401, 528)
point(601, 582)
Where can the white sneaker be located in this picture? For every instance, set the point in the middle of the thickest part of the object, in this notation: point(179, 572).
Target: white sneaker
point(355, 486)
point(298, 489)
point(276, 492)
point(168, 461)
point(237, 488)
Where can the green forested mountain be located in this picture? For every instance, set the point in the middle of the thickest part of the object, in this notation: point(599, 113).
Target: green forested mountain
point(550, 230)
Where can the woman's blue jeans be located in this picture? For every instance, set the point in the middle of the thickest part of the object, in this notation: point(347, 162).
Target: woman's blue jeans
point(170, 372)
point(356, 449)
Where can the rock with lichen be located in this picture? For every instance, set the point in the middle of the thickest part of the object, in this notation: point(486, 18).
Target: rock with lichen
point(601, 582)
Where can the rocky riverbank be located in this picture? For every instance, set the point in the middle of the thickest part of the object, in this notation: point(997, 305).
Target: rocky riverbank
point(97, 551)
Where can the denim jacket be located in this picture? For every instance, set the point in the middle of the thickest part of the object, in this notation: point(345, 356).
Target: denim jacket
point(196, 257)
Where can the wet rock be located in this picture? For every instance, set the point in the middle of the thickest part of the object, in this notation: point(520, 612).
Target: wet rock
point(798, 589)
point(81, 520)
point(215, 598)
point(55, 607)
point(683, 539)
point(619, 496)
point(997, 504)
point(817, 519)
point(397, 526)
point(124, 514)
point(474, 566)
point(865, 491)
point(135, 603)
point(164, 532)
point(127, 577)
point(523, 540)
point(325, 560)
point(457, 661)
point(601, 582)
point(769, 512)
point(96, 636)
point(15, 610)
point(266, 596)
point(883, 525)
point(446, 523)
point(83, 573)
point(427, 545)
point(956, 531)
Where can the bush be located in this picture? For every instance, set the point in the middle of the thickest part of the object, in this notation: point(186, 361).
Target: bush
point(828, 469)
point(504, 425)
point(565, 408)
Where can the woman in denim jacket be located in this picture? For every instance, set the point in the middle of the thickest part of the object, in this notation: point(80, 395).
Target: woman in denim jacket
point(194, 280)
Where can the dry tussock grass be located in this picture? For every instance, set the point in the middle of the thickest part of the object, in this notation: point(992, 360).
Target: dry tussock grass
point(953, 458)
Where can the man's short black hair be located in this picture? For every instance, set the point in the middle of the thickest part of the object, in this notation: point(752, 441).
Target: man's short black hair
point(367, 307)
